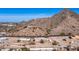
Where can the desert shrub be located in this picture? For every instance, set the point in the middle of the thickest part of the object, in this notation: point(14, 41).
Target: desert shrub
point(72, 15)
point(68, 48)
point(69, 42)
point(46, 34)
point(25, 49)
point(48, 31)
point(62, 33)
point(54, 50)
point(63, 17)
point(25, 26)
point(69, 34)
point(10, 49)
point(55, 43)
point(24, 45)
point(18, 40)
point(70, 37)
point(33, 30)
point(73, 35)
point(73, 26)
point(77, 48)
point(32, 42)
point(41, 41)
point(64, 39)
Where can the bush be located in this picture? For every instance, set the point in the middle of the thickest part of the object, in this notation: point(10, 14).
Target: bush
point(24, 45)
point(55, 43)
point(68, 48)
point(10, 49)
point(32, 43)
point(71, 15)
point(41, 41)
point(64, 39)
point(63, 17)
point(70, 34)
point(73, 26)
point(73, 35)
point(25, 49)
point(48, 31)
point(62, 33)
point(33, 40)
point(77, 48)
point(18, 40)
point(70, 37)
point(54, 50)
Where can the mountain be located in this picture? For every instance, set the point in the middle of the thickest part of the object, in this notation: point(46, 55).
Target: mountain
point(66, 21)
point(69, 23)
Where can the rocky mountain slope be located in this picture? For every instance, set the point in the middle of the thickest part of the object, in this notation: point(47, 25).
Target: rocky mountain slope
point(70, 24)
point(65, 22)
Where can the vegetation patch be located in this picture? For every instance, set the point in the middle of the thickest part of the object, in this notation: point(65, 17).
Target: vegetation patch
point(41, 41)
point(48, 31)
point(55, 43)
point(25, 49)
point(62, 33)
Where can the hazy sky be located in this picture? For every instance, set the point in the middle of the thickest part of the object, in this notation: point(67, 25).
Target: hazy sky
point(20, 14)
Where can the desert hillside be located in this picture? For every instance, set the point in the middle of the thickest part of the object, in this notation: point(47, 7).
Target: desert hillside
point(64, 22)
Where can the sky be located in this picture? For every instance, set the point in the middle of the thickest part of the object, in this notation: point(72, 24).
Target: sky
point(25, 14)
